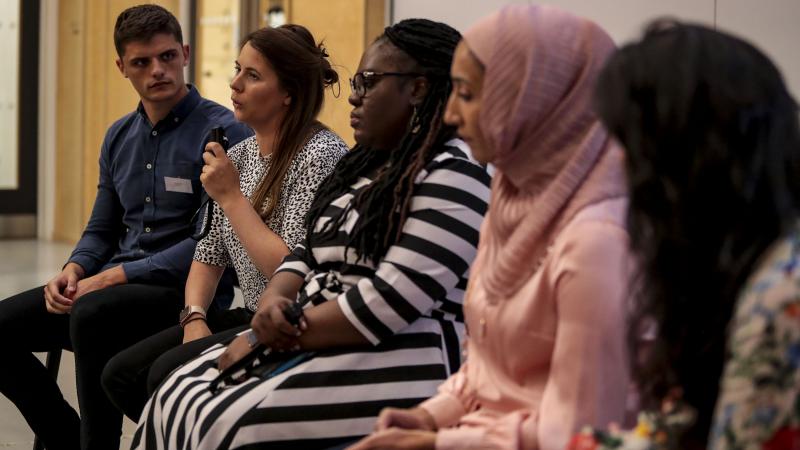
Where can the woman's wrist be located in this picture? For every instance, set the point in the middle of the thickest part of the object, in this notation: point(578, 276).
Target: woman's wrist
point(427, 418)
point(270, 299)
point(194, 321)
point(232, 201)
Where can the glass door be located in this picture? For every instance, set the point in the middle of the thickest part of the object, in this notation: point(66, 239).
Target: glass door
point(19, 47)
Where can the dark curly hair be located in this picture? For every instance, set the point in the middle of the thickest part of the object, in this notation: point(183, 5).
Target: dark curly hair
point(141, 23)
point(713, 165)
point(383, 205)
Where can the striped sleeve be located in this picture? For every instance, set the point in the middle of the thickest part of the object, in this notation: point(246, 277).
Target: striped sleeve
point(437, 245)
point(296, 262)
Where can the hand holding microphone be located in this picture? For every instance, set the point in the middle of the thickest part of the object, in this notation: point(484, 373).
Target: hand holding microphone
point(219, 176)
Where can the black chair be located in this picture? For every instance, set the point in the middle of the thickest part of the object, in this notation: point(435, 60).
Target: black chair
point(52, 363)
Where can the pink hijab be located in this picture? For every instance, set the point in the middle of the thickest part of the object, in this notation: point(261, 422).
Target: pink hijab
point(553, 156)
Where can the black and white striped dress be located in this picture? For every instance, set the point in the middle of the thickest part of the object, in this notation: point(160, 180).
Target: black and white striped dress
point(408, 305)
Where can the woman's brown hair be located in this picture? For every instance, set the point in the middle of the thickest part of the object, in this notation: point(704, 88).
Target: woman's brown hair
point(303, 71)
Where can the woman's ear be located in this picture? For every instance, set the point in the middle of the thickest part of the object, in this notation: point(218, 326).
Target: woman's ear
point(419, 90)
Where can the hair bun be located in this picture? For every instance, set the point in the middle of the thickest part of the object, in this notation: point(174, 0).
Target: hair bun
point(323, 52)
point(329, 75)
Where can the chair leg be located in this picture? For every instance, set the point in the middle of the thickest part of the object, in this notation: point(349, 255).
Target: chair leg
point(52, 364)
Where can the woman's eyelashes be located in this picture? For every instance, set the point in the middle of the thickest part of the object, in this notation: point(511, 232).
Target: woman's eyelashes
point(251, 74)
point(464, 94)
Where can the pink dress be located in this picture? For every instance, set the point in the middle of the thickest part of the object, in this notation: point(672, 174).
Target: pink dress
point(552, 357)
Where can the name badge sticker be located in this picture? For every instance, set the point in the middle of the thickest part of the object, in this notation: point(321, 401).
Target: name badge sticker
point(182, 185)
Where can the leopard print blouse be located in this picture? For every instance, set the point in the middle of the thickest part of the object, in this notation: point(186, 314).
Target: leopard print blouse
point(312, 164)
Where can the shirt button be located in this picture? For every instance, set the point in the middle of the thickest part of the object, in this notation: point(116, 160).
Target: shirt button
point(154, 133)
point(146, 229)
point(176, 119)
point(149, 166)
point(147, 199)
point(127, 230)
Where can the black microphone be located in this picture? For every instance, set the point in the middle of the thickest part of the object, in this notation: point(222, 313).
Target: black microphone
point(217, 135)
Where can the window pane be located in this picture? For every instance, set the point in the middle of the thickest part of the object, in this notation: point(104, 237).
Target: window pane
point(9, 79)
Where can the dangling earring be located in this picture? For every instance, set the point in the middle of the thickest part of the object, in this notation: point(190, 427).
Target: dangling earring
point(415, 122)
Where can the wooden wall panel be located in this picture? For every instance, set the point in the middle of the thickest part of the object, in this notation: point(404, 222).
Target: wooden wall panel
point(92, 94)
point(69, 121)
point(96, 83)
point(342, 25)
point(346, 27)
point(375, 20)
point(108, 95)
point(215, 49)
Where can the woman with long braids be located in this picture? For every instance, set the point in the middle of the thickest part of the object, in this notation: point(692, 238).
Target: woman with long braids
point(390, 238)
point(546, 304)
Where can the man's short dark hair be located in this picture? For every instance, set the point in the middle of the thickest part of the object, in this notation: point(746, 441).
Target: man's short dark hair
point(141, 23)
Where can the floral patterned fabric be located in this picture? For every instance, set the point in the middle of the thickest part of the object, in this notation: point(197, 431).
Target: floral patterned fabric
point(655, 430)
point(759, 399)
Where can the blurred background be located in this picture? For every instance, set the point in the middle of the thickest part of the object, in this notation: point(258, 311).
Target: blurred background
point(61, 90)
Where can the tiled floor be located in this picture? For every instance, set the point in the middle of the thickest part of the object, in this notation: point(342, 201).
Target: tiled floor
point(25, 264)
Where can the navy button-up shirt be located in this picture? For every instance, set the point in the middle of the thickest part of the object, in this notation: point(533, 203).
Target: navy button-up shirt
point(149, 189)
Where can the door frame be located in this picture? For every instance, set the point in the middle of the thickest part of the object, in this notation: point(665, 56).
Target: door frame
point(18, 206)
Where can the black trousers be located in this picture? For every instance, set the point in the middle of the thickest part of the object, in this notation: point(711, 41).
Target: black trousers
point(101, 324)
point(134, 374)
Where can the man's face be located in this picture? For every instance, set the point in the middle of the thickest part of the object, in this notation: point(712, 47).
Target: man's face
point(155, 67)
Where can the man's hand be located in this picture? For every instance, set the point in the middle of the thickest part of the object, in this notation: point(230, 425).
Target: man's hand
point(107, 278)
point(59, 292)
point(194, 330)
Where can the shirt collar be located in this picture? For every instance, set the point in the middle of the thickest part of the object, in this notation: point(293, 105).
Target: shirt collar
point(179, 112)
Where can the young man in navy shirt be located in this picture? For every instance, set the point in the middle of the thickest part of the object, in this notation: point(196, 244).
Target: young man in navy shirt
point(124, 280)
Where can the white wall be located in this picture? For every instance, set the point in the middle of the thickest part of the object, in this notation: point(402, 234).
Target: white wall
point(9, 78)
point(769, 24)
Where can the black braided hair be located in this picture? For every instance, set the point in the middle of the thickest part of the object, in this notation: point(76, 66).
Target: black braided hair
point(431, 46)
